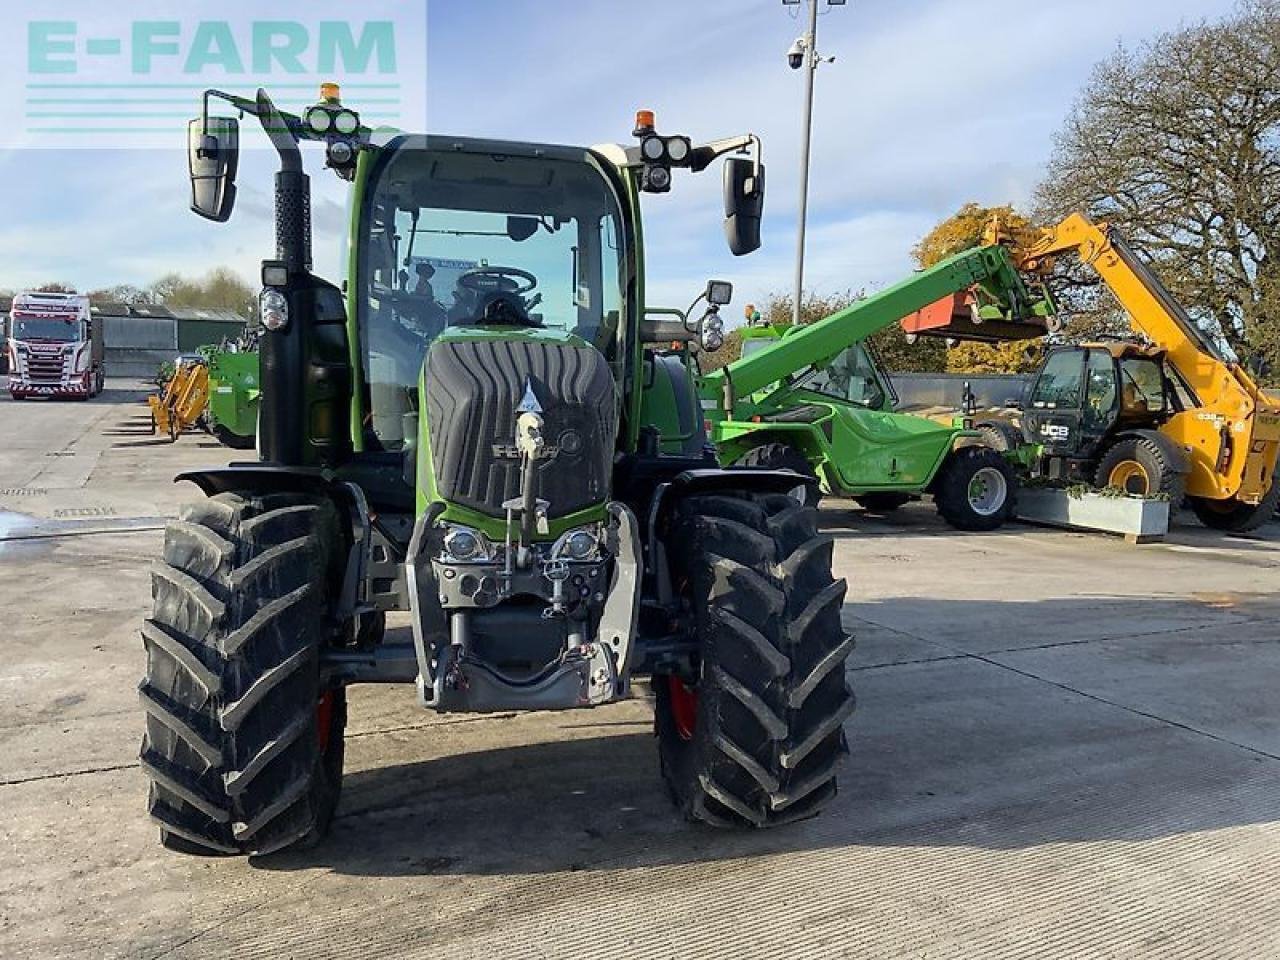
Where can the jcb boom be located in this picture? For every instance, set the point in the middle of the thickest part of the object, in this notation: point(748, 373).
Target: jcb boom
point(1198, 417)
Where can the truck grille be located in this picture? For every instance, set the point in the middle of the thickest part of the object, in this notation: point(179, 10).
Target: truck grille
point(45, 369)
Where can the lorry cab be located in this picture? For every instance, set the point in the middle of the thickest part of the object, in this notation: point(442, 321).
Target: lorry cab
point(55, 347)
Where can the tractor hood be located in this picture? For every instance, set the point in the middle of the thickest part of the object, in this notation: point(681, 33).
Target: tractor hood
point(476, 382)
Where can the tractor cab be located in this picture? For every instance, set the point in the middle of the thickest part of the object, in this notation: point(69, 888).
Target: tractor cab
point(1085, 396)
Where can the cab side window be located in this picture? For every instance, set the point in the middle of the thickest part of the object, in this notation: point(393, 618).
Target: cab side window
point(1100, 388)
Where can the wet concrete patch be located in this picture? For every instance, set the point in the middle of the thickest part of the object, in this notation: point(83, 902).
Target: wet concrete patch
point(19, 527)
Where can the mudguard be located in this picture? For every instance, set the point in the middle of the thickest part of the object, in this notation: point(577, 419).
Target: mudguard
point(259, 477)
point(1175, 454)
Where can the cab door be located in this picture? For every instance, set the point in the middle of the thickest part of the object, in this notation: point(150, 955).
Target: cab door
point(1055, 405)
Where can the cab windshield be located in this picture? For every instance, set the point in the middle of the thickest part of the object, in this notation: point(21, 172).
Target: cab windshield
point(459, 239)
point(43, 328)
point(850, 376)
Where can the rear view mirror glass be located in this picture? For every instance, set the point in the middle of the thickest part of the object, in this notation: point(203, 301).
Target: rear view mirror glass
point(213, 157)
point(743, 204)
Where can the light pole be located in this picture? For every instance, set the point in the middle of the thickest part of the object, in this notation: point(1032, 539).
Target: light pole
point(804, 53)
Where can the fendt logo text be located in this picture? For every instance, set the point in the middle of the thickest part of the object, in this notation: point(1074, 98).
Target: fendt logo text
point(92, 77)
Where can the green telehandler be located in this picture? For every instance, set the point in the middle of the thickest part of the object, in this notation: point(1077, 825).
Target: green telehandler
point(468, 435)
point(813, 400)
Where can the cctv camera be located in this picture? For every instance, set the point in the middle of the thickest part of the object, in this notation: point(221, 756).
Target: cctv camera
point(795, 56)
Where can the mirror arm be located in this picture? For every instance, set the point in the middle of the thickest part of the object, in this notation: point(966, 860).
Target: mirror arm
point(702, 156)
point(747, 143)
point(283, 129)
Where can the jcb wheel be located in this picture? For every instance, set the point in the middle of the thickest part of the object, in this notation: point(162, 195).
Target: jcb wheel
point(1140, 466)
point(243, 743)
point(782, 456)
point(975, 489)
point(1234, 516)
point(753, 738)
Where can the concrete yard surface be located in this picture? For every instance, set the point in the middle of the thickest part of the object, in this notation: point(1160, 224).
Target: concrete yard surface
point(1065, 746)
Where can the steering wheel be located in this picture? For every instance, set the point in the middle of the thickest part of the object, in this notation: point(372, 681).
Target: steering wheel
point(498, 280)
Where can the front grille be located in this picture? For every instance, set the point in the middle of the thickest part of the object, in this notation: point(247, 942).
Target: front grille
point(473, 389)
point(45, 369)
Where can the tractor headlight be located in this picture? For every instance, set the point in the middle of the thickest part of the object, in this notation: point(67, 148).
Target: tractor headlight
point(273, 309)
point(580, 544)
point(464, 545)
point(346, 122)
point(341, 153)
point(319, 120)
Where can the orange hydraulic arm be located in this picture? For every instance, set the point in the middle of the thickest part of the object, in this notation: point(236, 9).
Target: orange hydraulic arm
point(1232, 435)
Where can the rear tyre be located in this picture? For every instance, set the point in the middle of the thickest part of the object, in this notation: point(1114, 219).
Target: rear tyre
point(782, 456)
point(1234, 516)
point(243, 742)
point(1140, 466)
point(753, 738)
point(230, 439)
point(882, 502)
point(975, 489)
point(1000, 435)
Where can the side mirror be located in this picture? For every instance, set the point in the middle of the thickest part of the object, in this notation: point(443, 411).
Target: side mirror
point(743, 204)
point(213, 157)
point(719, 292)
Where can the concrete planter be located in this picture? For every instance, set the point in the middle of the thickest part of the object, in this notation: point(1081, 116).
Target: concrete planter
point(1139, 521)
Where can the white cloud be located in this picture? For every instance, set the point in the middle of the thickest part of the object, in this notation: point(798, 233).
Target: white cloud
point(931, 103)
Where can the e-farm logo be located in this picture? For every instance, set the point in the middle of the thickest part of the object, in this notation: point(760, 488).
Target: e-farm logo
point(92, 77)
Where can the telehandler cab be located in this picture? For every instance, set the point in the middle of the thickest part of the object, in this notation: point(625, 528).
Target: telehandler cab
point(468, 435)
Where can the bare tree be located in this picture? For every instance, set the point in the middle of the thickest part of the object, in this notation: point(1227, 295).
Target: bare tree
point(1177, 143)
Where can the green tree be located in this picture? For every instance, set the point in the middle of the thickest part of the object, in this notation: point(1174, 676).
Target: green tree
point(1177, 143)
point(220, 289)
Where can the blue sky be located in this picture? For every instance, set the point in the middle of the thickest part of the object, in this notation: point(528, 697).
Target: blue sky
point(930, 103)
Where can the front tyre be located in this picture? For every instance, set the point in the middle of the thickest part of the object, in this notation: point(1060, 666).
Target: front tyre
point(754, 736)
point(243, 742)
point(1141, 467)
point(975, 489)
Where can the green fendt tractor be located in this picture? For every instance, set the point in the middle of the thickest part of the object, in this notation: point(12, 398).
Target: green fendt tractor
point(812, 399)
point(467, 436)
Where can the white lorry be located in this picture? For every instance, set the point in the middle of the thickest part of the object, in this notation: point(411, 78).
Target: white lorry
point(55, 347)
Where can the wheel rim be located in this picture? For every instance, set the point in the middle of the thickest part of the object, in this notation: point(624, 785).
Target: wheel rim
point(324, 720)
point(1131, 477)
point(684, 707)
point(988, 490)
